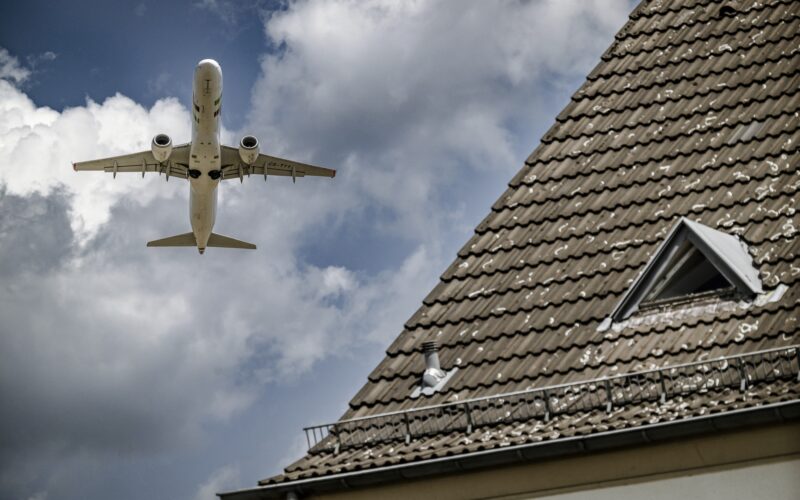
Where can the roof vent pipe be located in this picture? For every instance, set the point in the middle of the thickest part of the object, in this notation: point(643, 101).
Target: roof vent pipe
point(433, 372)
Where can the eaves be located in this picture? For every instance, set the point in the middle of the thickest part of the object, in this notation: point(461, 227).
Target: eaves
point(512, 455)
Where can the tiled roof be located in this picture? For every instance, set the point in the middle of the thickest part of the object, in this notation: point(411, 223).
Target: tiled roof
point(692, 112)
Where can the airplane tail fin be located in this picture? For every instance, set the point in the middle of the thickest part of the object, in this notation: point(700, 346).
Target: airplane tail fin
point(180, 240)
point(217, 240)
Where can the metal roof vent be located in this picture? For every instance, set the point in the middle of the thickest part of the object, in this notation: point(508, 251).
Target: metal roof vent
point(433, 378)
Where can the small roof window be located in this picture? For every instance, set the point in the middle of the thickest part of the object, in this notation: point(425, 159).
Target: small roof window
point(694, 262)
point(688, 273)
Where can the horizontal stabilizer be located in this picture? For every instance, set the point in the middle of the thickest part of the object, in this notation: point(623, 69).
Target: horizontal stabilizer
point(217, 240)
point(181, 240)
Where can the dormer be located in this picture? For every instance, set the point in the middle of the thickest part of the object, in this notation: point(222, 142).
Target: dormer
point(695, 262)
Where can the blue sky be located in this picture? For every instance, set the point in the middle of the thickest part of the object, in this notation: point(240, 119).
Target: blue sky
point(143, 50)
point(129, 372)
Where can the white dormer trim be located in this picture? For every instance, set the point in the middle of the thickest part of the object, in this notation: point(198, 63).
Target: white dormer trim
point(726, 252)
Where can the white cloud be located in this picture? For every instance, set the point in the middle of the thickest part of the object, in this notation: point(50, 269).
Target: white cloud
point(407, 97)
point(10, 69)
point(38, 146)
point(335, 281)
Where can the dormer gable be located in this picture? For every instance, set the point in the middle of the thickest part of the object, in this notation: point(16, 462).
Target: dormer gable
point(693, 262)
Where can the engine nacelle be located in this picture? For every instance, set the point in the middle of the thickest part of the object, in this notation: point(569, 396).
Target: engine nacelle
point(161, 147)
point(248, 149)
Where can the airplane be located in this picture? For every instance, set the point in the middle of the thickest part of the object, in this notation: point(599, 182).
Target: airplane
point(204, 162)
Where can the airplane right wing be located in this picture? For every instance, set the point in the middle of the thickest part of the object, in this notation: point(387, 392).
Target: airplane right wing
point(234, 168)
point(176, 166)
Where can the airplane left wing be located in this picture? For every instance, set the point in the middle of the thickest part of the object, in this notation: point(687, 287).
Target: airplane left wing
point(176, 166)
point(234, 168)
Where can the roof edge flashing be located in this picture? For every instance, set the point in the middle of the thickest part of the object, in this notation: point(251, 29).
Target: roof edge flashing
point(760, 300)
point(425, 389)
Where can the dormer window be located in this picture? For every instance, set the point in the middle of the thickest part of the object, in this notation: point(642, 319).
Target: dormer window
point(689, 275)
point(695, 263)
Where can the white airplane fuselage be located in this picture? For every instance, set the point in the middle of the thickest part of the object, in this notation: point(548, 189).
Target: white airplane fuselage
point(202, 162)
point(205, 149)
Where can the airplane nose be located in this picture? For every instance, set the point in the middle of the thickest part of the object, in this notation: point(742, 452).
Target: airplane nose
point(208, 65)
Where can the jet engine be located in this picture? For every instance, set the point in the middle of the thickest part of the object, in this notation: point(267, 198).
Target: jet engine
point(161, 147)
point(248, 149)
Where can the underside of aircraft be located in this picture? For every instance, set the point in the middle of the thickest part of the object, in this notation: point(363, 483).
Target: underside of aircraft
point(204, 162)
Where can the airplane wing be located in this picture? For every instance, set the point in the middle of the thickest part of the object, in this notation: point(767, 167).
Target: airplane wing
point(234, 168)
point(176, 166)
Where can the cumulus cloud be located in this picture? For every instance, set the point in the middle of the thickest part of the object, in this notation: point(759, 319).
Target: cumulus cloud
point(109, 349)
point(39, 144)
point(10, 68)
point(409, 96)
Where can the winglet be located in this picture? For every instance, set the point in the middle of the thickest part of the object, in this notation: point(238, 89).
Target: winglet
point(74, 166)
point(334, 173)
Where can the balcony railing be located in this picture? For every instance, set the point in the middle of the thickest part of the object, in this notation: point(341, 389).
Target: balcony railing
point(659, 385)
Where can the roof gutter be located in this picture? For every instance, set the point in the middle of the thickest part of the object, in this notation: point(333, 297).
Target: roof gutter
point(730, 420)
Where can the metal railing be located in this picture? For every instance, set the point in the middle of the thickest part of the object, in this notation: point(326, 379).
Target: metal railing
point(738, 371)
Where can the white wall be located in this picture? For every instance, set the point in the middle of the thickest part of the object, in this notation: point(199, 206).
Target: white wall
point(768, 481)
